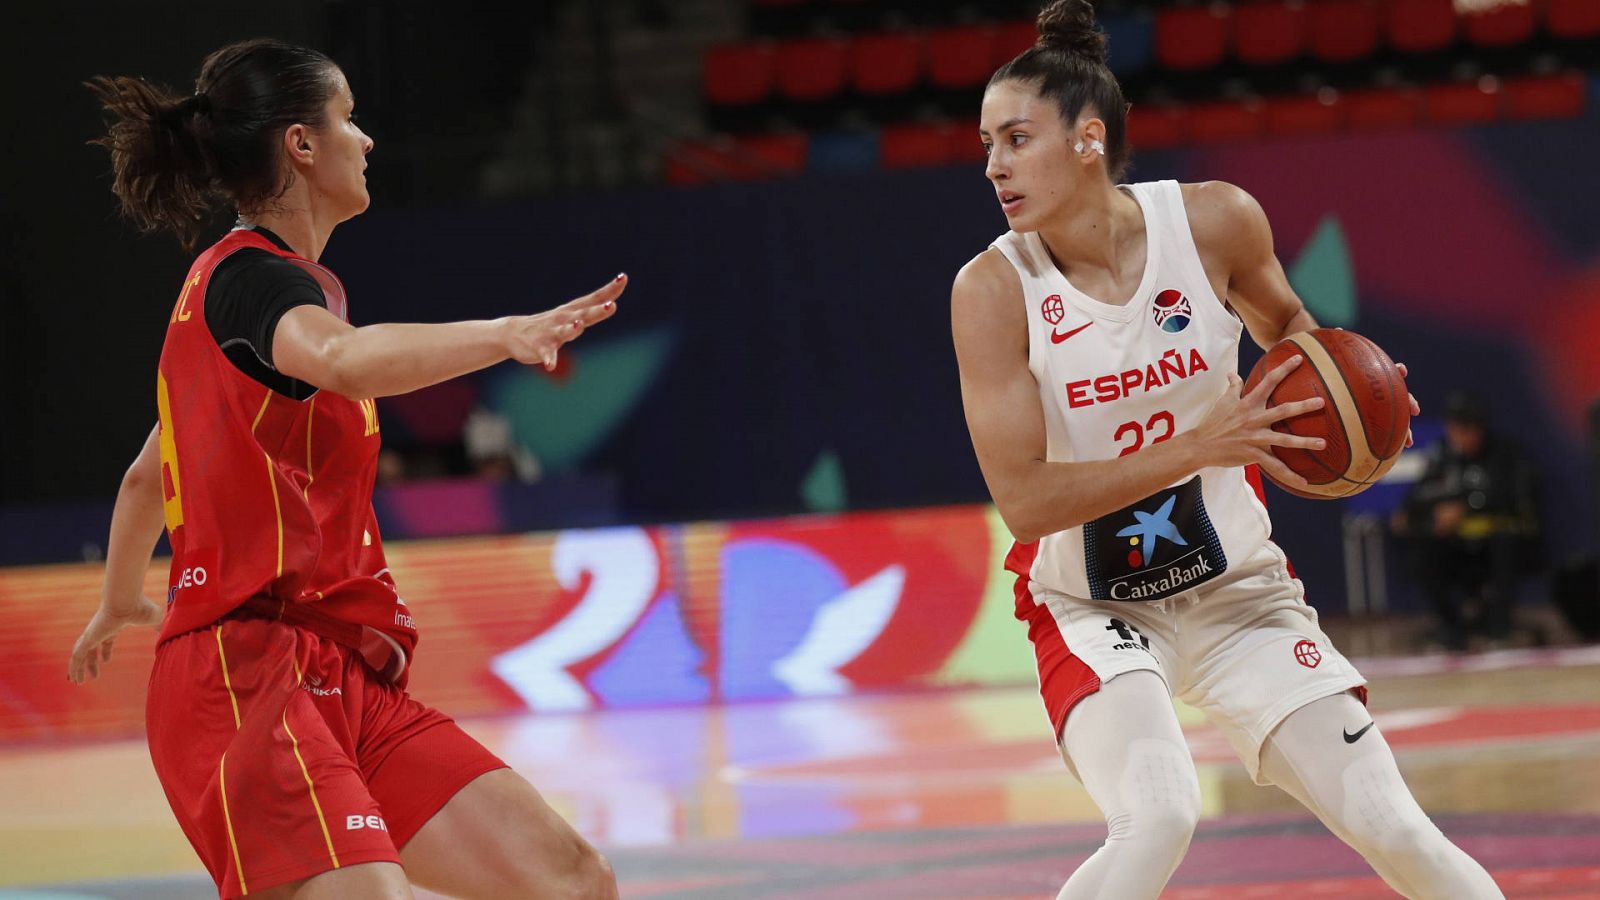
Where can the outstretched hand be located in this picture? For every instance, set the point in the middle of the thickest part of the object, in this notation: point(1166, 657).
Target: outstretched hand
point(1238, 429)
point(537, 339)
point(94, 646)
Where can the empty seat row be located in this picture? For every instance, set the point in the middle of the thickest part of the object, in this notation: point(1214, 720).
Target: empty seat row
point(1485, 100)
point(1271, 32)
point(880, 64)
point(907, 145)
point(1178, 39)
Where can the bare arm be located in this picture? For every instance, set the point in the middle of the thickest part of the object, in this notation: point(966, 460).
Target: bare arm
point(1235, 242)
point(1006, 420)
point(1233, 236)
point(136, 524)
point(315, 346)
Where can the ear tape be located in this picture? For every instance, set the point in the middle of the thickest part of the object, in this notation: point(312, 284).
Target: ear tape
point(1094, 145)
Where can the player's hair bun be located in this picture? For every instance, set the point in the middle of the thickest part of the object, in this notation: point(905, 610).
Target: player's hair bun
point(1068, 26)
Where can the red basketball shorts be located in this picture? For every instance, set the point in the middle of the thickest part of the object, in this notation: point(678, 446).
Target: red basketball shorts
point(284, 756)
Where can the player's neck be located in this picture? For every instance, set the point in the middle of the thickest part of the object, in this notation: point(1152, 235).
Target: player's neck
point(293, 219)
point(1097, 232)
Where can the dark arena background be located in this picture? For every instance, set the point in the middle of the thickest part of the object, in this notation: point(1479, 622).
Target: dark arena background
point(726, 585)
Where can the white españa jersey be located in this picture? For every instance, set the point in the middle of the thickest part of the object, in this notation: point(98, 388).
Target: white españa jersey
point(1114, 379)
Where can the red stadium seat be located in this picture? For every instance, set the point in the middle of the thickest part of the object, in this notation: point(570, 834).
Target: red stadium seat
point(1342, 30)
point(1505, 25)
point(1463, 103)
point(917, 144)
point(738, 74)
point(1573, 19)
point(1154, 126)
point(1189, 38)
point(1419, 26)
point(960, 57)
point(747, 158)
point(1011, 38)
point(810, 68)
point(1226, 120)
point(1269, 32)
point(1546, 96)
point(1304, 114)
point(1381, 108)
point(885, 63)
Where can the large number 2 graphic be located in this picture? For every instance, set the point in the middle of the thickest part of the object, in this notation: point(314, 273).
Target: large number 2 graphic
point(171, 506)
point(625, 570)
point(1138, 431)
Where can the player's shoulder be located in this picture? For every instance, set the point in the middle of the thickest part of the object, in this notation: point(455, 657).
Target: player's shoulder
point(1225, 217)
point(1220, 204)
point(253, 271)
point(986, 277)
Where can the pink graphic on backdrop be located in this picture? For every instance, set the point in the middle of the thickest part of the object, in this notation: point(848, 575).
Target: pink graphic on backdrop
point(1480, 266)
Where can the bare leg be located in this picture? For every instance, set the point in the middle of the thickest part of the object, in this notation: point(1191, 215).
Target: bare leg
point(498, 838)
point(375, 880)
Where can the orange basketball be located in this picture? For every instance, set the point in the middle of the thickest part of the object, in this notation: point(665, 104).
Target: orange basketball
point(1364, 418)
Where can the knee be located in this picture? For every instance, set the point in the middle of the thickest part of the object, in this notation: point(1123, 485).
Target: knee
point(577, 872)
point(1408, 843)
point(589, 875)
point(1170, 825)
point(1159, 830)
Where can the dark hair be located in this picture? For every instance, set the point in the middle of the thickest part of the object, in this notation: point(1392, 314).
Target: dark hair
point(174, 157)
point(1068, 65)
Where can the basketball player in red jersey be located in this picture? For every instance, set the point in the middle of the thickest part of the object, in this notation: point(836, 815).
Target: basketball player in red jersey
point(1098, 346)
point(278, 720)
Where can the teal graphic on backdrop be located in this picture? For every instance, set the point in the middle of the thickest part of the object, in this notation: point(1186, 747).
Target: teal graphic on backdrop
point(823, 488)
point(1324, 278)
point(562, 420)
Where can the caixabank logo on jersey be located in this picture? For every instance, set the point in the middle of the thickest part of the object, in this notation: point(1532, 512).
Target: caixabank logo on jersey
point(1160, 546)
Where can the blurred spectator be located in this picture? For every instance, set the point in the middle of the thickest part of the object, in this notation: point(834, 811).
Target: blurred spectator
point(493, 451)
point(1472, 525)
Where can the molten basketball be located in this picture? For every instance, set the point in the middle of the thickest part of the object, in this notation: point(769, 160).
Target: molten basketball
point(1366, 410)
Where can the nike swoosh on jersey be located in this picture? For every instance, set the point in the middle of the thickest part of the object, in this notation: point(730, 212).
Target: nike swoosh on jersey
point(1057, 337)
point(1352, 738)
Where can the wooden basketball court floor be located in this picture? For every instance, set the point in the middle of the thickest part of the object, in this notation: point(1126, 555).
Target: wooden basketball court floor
point(937, 794)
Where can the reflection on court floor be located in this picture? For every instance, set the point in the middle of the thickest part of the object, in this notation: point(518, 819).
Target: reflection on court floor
point(926, 794)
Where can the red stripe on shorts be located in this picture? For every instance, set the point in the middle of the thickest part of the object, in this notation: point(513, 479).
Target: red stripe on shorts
point(1252, 474)
point(1064, 679)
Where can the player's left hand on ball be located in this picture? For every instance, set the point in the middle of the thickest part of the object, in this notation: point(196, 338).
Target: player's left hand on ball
point(1416, 410)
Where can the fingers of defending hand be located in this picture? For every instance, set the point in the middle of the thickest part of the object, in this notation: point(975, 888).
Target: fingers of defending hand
point(606, 294)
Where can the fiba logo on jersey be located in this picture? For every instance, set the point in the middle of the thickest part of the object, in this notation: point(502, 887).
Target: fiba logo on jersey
point(1053, 309)
point(1171, 311)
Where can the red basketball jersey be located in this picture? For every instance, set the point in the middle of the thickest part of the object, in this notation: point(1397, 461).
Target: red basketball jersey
point(268, 498)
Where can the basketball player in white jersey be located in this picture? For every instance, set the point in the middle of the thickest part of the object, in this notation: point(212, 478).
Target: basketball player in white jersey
point(1098, 342)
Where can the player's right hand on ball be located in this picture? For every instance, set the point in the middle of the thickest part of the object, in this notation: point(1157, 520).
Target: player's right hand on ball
point(1238, 429)
point(537, 339)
